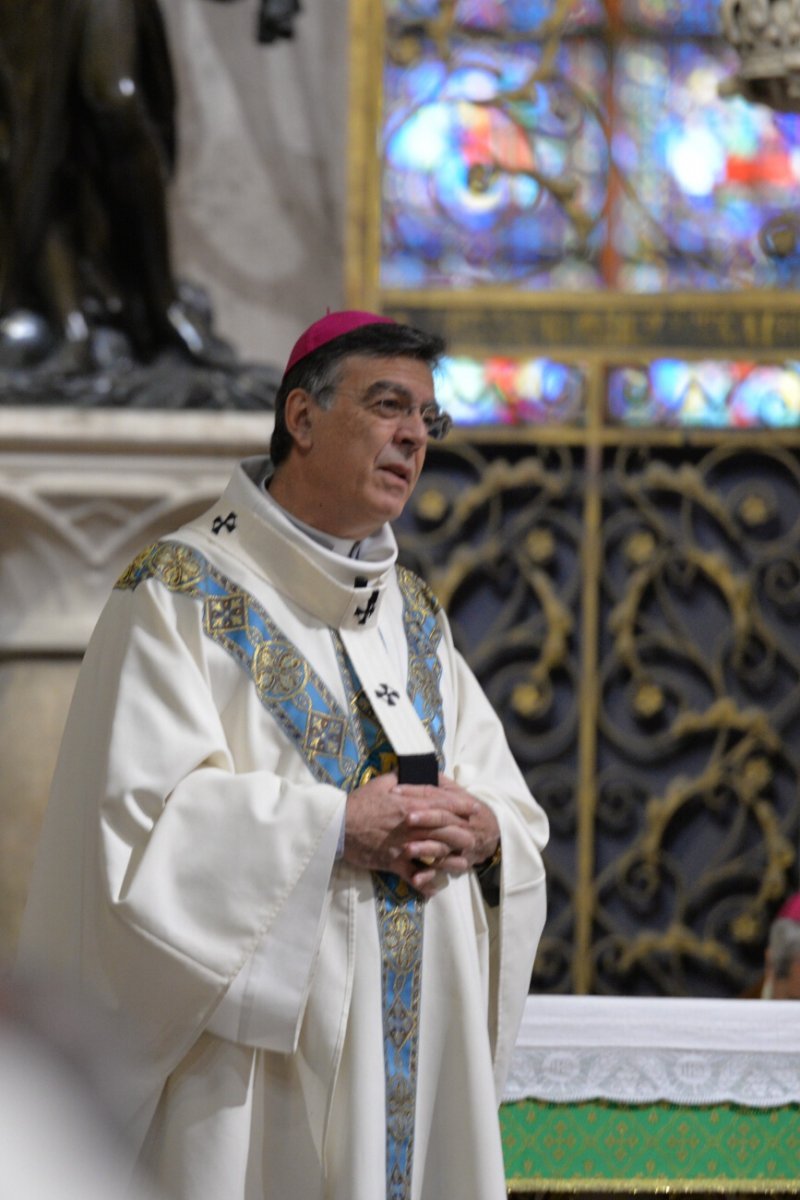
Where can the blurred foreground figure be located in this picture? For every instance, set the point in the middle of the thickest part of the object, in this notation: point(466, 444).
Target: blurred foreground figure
point(287, 835)
point(58, 1136)
point(782, 961)
point(87, 143)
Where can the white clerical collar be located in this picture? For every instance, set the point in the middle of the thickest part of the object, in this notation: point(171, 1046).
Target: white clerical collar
point(344, 546)
point(257, 533)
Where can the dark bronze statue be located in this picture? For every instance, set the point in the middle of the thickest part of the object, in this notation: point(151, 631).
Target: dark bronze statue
point(89, 131)
point(87, 147)
point(275, 19)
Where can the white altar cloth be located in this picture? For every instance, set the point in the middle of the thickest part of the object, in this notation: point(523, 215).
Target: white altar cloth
point(641, 1051)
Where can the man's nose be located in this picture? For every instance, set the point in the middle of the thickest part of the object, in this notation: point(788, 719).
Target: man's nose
point(412, 427)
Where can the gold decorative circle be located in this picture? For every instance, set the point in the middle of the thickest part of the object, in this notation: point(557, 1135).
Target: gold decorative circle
point(648, 700)
point(279, 671)
point(527, 699)
point(432, 505)
point(640, 547)
point(758, 772)
point(778, 237)
point(177, 566)
point(480, 178)
point(754, 509)
point(746, 929)
point(540, 545)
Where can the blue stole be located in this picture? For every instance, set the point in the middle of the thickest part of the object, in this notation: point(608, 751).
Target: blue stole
point(344, 749)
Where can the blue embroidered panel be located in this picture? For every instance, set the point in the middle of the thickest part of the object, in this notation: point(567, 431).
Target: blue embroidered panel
point(400, 926)
point(400, 909)
point(293, 693)
point(423, 635)
point(343, 750)
point(330, 742)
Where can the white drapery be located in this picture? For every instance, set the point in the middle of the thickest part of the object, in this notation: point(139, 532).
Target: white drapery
point(641, 1051)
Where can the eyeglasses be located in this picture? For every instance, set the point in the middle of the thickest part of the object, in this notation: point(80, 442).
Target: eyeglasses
point(395, 407)
point(400, 408)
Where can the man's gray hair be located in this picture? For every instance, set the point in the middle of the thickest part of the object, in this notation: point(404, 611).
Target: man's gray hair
point(784, 946)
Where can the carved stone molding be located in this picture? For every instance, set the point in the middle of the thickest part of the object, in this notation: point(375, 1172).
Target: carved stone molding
point(82, 492)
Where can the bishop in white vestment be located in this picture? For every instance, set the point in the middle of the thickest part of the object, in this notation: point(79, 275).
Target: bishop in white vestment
point(313, 1028)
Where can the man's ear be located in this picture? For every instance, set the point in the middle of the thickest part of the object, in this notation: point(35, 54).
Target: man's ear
point(299, 416)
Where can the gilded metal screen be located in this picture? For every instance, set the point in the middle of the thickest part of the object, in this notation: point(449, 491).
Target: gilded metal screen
point(610, 249)
point(631, 608)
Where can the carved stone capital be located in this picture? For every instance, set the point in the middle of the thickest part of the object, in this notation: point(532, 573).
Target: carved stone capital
point(82, 492)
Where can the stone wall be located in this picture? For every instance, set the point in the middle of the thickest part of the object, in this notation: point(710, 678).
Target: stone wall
point(81, 492)
point(258, 203)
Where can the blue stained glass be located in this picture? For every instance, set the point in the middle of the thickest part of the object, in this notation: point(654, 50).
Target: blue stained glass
point(413, 10)
point(501, 16)
point(693, 192)
point(769, 397)
point(709, 394)
point(475, 163)
point(702, 174)
point(511, 391)
point(526, 16)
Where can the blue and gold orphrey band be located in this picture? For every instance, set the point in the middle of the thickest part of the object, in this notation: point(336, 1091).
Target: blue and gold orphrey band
point(341, 749)
point(401, 914)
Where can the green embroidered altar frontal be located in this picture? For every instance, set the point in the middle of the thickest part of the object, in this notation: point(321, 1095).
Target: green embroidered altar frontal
point(602, 1146)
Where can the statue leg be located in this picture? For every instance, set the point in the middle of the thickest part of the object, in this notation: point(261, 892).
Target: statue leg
point(132, 175)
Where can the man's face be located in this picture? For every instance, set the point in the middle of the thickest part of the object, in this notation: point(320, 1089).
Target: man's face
point(360, 466)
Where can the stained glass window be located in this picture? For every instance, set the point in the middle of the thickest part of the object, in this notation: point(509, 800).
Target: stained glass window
point(699, 176)
point(667, 393)
point(716, 394)
point(612, 250)
point(574, 146)
point(500, 16)
point(511, 391)
point(475, 161)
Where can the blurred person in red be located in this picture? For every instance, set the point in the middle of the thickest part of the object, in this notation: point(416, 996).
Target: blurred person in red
point(782, 959)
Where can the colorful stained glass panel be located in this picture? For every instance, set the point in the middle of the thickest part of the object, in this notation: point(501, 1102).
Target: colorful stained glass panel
point(413, 10)
point(526, 16)
point(698, 177)
point(490, 176)
point(511, 391)
point(720, 395)
point(495, 175)
point(501, 16)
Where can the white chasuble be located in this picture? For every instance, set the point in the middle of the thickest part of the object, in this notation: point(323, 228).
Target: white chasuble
point(308, 1030)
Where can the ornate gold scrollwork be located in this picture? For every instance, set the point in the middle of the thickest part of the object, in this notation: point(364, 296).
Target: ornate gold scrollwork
point(649, 683)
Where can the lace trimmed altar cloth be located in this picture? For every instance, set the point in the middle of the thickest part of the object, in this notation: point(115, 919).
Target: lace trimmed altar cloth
point(645, 1050)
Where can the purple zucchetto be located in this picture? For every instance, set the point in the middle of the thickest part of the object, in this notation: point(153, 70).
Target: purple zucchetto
point(331, 326)
point(790, 909)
